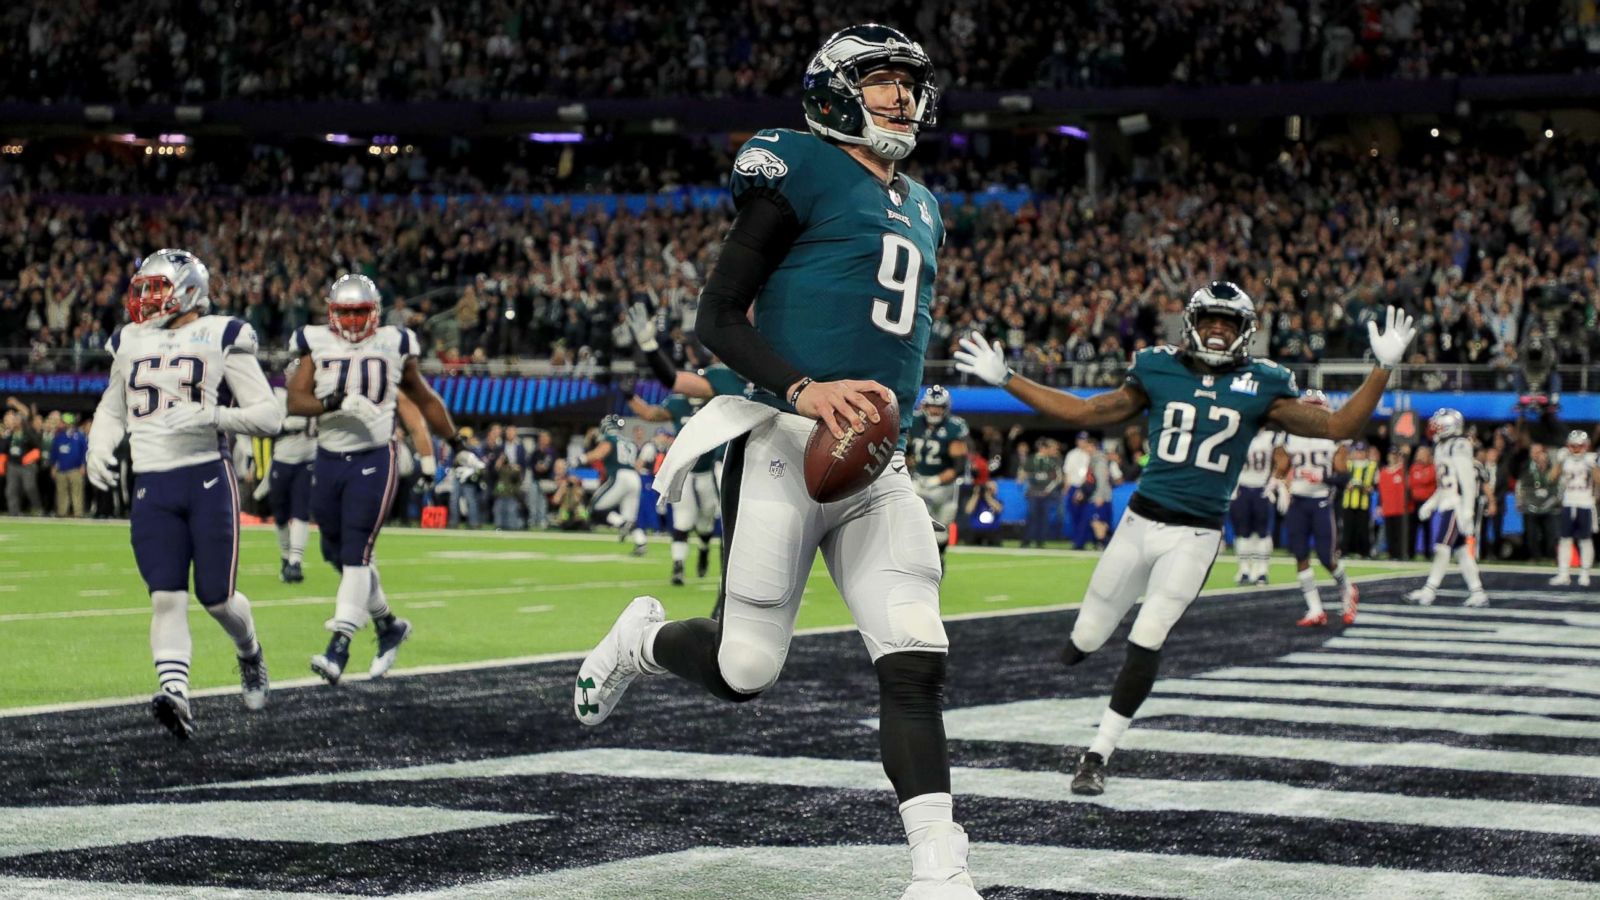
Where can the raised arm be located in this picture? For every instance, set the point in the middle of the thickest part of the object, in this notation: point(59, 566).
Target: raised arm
point(978, 357)
point(1389, 346)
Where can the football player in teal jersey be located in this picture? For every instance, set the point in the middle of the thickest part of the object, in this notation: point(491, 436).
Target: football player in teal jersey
point(937, 447)
point(699, 507)
point(618, 496)
point(835, 250)
point(1207, 399)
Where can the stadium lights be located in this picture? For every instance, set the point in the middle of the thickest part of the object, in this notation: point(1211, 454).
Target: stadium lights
point(1549, 133)
point(1433, 132)
point(556, 137)
point(11, 149)
point(174, 139)
point(337, 138)
point(1072, 131)
point(511, 314)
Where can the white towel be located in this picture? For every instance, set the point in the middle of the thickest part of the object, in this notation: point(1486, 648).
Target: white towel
point(717, 423)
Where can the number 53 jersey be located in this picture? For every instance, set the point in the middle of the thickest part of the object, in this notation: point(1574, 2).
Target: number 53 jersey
point(851, 297)
point(370, 369)
point(1201, 425)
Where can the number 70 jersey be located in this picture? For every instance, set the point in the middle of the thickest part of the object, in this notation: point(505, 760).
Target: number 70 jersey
point(1201, 425)
point(370, 369)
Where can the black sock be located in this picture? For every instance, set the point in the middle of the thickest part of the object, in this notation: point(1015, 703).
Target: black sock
point(688, 649)
point(1134, 682)
point(911, 723)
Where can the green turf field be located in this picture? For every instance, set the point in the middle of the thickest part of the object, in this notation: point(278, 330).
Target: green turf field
point(74, 616)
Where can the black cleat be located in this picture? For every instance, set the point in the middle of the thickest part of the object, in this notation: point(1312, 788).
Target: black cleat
point(253, 680)
point(390, 637)
point(677, 574)
point(1090, 779)
point(291, 573)
point(331, 663)
point(172, 711)
point(641, 549)
point(703, 564)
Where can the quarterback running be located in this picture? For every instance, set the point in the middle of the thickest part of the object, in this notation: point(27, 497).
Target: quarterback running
point(178, 378)
point(836, 250)
point(1207, 401)
point(350, 376)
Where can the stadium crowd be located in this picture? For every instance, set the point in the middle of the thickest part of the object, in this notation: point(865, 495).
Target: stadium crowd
point(178, 51)
point(1496, 255)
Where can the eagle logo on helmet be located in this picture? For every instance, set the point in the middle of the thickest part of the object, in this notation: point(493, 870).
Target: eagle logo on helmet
point(1219, 298)
point(834, 105)
point(760, 161)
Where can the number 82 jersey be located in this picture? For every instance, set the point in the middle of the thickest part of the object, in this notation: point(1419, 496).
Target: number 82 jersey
point(1201, 425)
point(371, 369)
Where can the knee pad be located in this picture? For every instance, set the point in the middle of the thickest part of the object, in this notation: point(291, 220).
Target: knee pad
point(748, 668)
point(911, 683)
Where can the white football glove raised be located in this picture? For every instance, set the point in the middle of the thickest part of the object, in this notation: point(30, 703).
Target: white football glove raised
point(643, 326)
point(1390, 346)
point(978, 357)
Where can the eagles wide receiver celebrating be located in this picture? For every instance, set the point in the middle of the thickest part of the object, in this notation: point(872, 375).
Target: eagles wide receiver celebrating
point(1207, 400)
point(836, 251)
point(173, 372)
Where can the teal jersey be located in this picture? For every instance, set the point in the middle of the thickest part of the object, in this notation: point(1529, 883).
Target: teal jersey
point(621, 453)
point(724, 381)
point(928, 446)
point(1201, 426)
point(852, 297)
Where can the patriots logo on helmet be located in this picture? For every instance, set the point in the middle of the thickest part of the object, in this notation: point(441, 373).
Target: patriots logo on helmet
point(760, 161)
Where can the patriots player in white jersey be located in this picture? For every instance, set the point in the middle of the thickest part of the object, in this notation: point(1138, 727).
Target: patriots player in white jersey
point(178, 378)
point(1251, 510)
point(1456, 504)
point(350, 376)
point(1578, 474)
point(287, 486)
point(1310, 466)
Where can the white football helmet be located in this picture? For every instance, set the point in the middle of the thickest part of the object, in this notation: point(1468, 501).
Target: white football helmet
point(1219, 298)
point(353, 308)
point(1446, 423)
point(1578, 441)
point(168, 284)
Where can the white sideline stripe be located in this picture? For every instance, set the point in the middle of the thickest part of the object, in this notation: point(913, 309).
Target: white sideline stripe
point(52, 829)
point(1550, 595)
point(1400, 621)
point(877, 872)
point(1488, 614)
point(1326, 676)
point(1475, 702)
point(1085, 711)
point(1545, 635)
point(1260, 798)
point(1435, 663)
point(1463, 647)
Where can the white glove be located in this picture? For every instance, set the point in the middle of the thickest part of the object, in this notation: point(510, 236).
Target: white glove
point(978, 357)
point(368, 412)
point(1390, 346)
point(1278, 495)
point(188, 416)
point(1428, 507)
point(102, 470)
point(427, 466)
point(643, 326)
point(262, 488)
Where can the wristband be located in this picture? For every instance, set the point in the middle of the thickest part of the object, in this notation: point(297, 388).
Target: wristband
point(331, 402)
point(1010, 373)
point(794, 395)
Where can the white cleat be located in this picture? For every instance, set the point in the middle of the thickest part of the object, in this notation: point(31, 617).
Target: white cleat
point(614, 662)
point(1476, 598)
point(1583, 581)
point(389, 641)
point(254, 683)
point(1561, 581)
point(1421, 596)
point(939, 868)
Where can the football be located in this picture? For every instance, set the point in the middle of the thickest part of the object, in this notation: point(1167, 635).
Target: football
point(837, 468)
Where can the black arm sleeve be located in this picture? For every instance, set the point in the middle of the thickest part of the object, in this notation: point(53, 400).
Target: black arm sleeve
point(661, 366)
point(761, 235)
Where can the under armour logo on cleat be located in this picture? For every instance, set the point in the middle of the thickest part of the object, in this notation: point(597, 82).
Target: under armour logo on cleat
point(208, 484)
point(369, 471)
point(584, 706)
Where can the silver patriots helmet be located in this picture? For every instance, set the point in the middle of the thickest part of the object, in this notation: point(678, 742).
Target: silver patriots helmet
point(1446, 423)
point(353, 308)
point(168, 284)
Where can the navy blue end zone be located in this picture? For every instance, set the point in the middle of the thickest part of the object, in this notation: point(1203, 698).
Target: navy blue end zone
point(1506, 795)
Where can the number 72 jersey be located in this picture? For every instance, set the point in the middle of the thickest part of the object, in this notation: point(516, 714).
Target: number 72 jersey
point(370, 369)
point(1201, 425)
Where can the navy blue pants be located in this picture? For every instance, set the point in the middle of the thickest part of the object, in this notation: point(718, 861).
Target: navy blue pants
point(289, 491)
point(1577, 522)
point(1251, 513)
point(350, 498)
point(1311, 520)
point(188, 516)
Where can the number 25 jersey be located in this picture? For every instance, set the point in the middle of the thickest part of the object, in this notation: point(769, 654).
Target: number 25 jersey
point(370, 369)
point(1201, 425)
